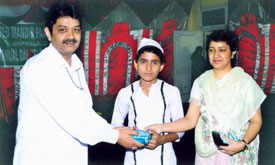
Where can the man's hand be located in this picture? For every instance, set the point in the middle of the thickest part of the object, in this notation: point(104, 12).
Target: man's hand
point(126, 140)
point(155, 141)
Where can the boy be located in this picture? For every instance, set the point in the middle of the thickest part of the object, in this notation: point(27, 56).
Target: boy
point(146, 101)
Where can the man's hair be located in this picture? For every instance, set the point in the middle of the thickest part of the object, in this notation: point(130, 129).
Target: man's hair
point(151, 49)
point(227, 36)
point(61, 9)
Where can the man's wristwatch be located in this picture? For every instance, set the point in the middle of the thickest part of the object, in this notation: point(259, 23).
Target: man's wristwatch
point(245, 143)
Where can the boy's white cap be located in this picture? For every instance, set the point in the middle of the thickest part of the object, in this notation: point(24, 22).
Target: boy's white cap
point(149, 42)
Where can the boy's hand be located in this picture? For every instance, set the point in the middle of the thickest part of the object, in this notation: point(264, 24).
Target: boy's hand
point(155, 141)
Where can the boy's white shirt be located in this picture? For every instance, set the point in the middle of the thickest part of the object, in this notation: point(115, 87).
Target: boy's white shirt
point(149, 111)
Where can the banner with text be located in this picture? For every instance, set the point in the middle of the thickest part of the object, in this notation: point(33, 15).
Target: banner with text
point(19, 42)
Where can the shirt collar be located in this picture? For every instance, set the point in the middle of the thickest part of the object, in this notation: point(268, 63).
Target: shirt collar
point(59, 61)
point(156, 85)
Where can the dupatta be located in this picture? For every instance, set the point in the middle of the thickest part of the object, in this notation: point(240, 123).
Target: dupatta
point(232, 100)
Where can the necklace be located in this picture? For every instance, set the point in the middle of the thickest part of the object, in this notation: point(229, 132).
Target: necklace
point(79, 87)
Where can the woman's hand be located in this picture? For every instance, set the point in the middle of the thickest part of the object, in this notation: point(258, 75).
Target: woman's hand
point(155, 127)
point(233, 147)
point(251, 132)
point(122, 128)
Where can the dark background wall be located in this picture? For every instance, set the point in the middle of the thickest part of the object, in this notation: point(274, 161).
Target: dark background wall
point(101, 15)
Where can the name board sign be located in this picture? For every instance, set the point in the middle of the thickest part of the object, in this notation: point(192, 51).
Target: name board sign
point(19, 42)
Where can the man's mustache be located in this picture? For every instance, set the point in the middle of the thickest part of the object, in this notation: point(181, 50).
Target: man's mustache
point(69, 41)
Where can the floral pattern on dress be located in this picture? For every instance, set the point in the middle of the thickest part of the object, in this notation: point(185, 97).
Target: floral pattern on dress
point(246, 157)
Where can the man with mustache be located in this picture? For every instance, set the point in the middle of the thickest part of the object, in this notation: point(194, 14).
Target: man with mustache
point(56, 121)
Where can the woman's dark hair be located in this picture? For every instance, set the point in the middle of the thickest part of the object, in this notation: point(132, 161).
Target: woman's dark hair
point(61, 9)
point(152, 49)
point(229, 37)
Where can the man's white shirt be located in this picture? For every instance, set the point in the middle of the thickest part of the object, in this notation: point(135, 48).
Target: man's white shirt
point(56, 121)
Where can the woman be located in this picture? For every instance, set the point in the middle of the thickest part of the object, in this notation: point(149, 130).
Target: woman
point(224, 99)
